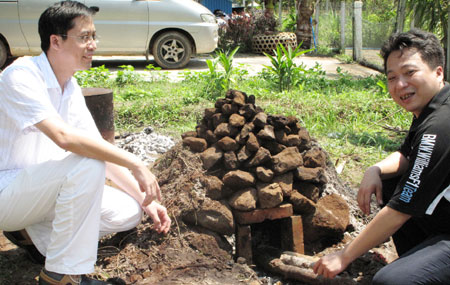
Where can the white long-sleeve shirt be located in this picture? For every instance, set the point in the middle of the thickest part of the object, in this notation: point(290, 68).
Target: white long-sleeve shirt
point(30, 93)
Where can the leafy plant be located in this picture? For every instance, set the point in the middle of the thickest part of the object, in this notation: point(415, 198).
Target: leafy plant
point(226, 60)
point(127, 76)
point(219, 81)
point(93, 77)
point(283, 66)
point(156, 76)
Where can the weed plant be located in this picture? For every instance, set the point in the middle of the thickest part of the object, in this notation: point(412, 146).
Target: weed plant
point(94, 77)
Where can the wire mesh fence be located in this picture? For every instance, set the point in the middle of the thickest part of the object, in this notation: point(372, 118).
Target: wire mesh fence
point(328, 30)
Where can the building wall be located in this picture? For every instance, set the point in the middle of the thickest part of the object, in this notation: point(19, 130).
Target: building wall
point(224, 5)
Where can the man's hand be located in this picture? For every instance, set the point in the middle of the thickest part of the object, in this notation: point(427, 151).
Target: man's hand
point(147, 183)
point(370, 184)
point(158, 214)
point(331, 265)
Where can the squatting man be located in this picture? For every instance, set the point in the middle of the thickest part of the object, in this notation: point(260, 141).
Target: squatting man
point(412, 183)
point(53, 161)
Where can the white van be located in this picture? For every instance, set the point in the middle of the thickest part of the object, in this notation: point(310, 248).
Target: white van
point(170, 30)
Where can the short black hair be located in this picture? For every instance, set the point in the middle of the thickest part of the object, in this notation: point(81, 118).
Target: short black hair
point(426, 43)
point(58, 20)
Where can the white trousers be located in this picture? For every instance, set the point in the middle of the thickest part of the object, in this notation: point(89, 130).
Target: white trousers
point(64, 207)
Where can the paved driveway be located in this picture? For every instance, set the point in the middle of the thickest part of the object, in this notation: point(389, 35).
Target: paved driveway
point(252, 63)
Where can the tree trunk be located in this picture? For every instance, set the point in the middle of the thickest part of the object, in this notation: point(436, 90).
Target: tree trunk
point(401, 10)
point(305, 9)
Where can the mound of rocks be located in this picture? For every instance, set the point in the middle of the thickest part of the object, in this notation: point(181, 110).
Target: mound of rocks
point(260, 161)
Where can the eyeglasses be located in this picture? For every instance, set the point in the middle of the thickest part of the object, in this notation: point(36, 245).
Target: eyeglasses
point(86, 39)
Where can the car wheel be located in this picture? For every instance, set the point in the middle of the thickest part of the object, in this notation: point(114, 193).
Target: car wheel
point(3, 54)
point(172, 50)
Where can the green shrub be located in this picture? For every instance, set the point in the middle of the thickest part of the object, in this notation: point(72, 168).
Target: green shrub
point(240, 30)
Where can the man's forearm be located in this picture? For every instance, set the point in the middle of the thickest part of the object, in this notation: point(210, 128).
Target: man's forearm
point(76, 141)
point(384, 225)
point(393, 165)
point(124, 180)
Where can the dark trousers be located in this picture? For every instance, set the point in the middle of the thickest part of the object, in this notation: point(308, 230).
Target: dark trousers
point(424, 255)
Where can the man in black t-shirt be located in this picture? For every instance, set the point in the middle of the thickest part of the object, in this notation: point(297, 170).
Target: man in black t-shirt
point(412, 183)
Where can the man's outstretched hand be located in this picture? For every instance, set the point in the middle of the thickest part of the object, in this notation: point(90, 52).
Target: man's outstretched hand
point(158, 214)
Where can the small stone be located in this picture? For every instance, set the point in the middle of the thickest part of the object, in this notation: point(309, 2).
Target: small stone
point(236, 120)
point(260, 120)
point(260, 157)
point(230, 160)
point(267, 133)
point(243, 154)
point(229, 109)
point(269, 195)
point(315, 157)
point(264, 174)
point(244, 200)
point(238, 179)
point(211, 156)
point(148, 130)
point(288, 159)
point(227, 144)
point(195, 144)
point(252, 142)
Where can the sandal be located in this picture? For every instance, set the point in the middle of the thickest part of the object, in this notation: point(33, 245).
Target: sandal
point(51, 278)
point(22, 240)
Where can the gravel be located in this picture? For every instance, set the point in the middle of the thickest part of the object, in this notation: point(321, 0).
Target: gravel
point(147, 145)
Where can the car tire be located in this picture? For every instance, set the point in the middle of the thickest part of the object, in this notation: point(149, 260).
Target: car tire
point(172, 50)
point(3, 54)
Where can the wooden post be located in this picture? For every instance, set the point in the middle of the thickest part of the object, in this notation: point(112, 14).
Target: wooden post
point(357, 31)
point(342, 20)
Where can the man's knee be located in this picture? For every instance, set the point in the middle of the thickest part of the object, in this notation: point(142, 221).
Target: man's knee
point(120, 212)
point(92, 170)
point(384, 277)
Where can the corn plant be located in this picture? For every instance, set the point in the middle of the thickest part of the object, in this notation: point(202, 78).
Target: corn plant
point(285, 70)
point(220, 81)
point(226, 60)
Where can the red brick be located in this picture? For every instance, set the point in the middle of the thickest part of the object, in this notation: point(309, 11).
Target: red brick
point(260, 215)
point(244, 243)
point(292, 234)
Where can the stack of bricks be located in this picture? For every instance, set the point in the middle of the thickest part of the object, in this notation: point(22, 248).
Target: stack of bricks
point(264, 166)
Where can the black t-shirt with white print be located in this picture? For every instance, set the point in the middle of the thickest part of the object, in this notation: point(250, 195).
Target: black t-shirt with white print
point(427, 148)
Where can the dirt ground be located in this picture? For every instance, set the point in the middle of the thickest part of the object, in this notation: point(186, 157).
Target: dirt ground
point(188, 254)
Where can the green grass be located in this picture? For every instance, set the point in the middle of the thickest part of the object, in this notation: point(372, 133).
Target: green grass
point(352, 118)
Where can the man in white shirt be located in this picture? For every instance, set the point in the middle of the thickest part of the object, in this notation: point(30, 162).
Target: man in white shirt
point(53, 161)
